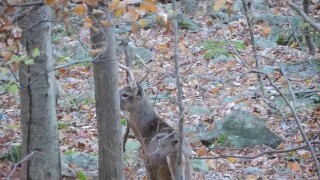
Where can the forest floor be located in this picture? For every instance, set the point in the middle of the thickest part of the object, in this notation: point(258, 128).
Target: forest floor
point(206, 84)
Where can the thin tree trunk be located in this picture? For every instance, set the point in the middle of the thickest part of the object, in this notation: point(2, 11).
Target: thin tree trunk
point(254, 48)
point(106, 79)
point(38, 101)
point(179, 93)
point(307, 34)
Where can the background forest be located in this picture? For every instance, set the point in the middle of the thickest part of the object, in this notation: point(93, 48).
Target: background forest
point(249, 73)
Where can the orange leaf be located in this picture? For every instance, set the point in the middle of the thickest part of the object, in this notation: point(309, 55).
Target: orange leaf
point(219, 4)
point(92, 3)
point(131, 16)
point(80, 9)
point(66, 21)
point(62, 72)
point(303, 154)
point(50, 2)
point(119, 11)
point(134, 27)
point(57, 11)
point(142, 23)
point(215, 91)
point(94, 52)
point(266, 32)
point(294, 167)
point(105, 23)
point(87, 25)
point(281, 146)
point(113, 4)
point(202, 151)
point(148, 8)
point(308, 81)
point(162, 46)
point(231, 159)
point(6, 55)
point(88, 20)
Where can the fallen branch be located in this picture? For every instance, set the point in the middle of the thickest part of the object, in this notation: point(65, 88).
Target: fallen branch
point(304, 16)
point(258, 155)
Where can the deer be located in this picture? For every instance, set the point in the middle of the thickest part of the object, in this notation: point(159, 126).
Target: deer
point(158, 139)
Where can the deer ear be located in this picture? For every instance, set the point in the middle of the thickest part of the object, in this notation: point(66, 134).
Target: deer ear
point(140, 92)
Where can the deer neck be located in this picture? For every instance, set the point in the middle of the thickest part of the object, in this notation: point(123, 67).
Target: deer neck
point(142, 116)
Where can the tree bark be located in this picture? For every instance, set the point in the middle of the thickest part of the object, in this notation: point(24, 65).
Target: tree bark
point(307, 34)
point(106, 79)
point(38, 101)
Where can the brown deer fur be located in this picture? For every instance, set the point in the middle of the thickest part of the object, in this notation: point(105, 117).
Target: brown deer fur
point(159, 141)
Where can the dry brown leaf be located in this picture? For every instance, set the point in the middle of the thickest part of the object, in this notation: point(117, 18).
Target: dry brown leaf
point(92, 3)
point(266, 31)
point(119, 11)
point(219, 4)
point(51, 2)
point(94, 52)
point(113, 4)
point(294, 166)
point(105, 23)
point(134, 27)
point(231, 159)
point(131, 16)
point(80, 9)
point(142, 23)
point(148, 8)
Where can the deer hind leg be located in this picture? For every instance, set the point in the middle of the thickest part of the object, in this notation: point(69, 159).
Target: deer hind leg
point(171, 164)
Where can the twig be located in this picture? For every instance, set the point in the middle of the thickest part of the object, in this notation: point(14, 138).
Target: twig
point(73, 63)
point(254, 48)
point(288, 82)
point(236, 52)
point(304, 16)
point(258, 155)
point(297, 119)
point(18, 16)
point(18, 163)
point(305, 78)
point(36, 3)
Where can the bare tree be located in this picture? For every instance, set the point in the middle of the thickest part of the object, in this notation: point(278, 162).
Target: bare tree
point(106, 79)
point(38, 100)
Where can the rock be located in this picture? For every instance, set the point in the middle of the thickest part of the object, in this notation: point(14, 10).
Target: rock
point(81, 160)
point(241, 129)
point(199, 165)
point(198, 110)
point(67, 171)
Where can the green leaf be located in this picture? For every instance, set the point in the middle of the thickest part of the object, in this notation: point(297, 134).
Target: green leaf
point(68, 153)
point(63, 58)
point(29, 62)
point(239, 45)
point(12, 88)
point(36, 52)
point(4, 70)
point(81, 176)
point(123, 122)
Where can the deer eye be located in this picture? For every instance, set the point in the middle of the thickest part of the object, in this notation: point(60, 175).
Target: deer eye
point(125, 95)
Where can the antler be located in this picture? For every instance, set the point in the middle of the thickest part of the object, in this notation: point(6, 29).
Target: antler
point(132, 82)
point(144, 64)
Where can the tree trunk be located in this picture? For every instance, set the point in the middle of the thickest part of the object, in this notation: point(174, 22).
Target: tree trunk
point(307, 34)
point(106, 79)
point(38, 94)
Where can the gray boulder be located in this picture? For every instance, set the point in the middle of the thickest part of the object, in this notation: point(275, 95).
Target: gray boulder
point(241, 129)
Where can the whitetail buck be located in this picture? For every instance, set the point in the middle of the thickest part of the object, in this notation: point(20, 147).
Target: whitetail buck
point(159, 141)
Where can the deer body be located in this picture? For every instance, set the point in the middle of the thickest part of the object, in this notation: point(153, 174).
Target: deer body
point(159, 141)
